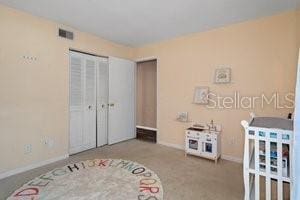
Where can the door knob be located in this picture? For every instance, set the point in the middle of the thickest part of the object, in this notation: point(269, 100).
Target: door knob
point(90, 107)
point(103, 105)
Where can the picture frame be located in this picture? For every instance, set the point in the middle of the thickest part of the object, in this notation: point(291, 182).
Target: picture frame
point(222, 75)
point(201, 95)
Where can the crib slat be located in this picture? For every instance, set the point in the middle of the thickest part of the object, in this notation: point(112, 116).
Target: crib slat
point(268, 171)
point(256, 154)
point(268, 160)
point(256, 163)
point(279, 169)
point(257, 192)
point(279, 158)
point(246, 167)
point(279, 190)
point(290, 171)
point(268, 188)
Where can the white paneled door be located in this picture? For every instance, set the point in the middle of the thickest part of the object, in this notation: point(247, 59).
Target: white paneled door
point(102, 102)
point(121, 125)
point(83, 101)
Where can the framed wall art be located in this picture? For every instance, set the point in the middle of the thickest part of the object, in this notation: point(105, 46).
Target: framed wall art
point(223, 75)
point(201, 95)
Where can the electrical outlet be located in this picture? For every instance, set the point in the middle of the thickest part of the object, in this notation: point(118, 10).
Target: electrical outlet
point(27, 148)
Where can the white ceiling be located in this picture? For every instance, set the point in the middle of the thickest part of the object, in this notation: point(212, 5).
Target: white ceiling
point(139, 22)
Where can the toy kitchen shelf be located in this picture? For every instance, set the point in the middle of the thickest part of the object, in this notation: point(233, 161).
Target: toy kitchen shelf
point(267, 158)
point(203, 140)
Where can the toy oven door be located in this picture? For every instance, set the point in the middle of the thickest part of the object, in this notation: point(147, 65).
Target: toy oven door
point(193, 145)
point(209, 147)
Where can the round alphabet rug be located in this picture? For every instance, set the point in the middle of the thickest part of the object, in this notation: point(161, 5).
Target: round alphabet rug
point(109, 179)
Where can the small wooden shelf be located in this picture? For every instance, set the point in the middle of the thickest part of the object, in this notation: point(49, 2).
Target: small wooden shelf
point(146, 134)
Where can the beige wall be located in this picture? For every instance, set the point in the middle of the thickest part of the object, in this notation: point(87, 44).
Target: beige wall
point(298, 25)
point(34, 94)
point(262, 55)
point(146, 94)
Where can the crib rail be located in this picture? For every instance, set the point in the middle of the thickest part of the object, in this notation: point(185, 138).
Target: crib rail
point(267, 156)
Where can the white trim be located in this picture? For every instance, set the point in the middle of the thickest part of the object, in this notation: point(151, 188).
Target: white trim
point(176, 146)
point(232, 158)
point(157, 97)
point(180, 147)
point(147, 128)
point(32, 166)
point(146, 59)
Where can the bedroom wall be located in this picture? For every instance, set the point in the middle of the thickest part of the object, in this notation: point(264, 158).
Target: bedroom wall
point(262, 54)
point(34, 93)
point(298, 25)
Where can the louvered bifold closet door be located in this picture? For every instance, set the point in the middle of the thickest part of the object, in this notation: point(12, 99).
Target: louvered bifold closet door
point(89, 136)
point(76, 102)
point(82, 102)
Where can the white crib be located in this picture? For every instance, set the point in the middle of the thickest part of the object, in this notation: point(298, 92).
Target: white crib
point(267, 158)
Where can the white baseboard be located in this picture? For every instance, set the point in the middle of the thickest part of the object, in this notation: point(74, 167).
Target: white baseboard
point(147, 128)
point(32, 166)
point(225, 157)
point(176, 146)
point(231, 158)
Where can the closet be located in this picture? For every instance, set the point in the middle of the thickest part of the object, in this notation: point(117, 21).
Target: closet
point(102, 92)
point(147, 100)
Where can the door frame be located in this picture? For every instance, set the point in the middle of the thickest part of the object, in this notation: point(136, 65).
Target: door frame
point(69, 97)
point(88, 53)
point(145, 59)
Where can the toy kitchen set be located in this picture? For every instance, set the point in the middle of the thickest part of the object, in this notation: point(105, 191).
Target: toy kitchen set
point(203, 140)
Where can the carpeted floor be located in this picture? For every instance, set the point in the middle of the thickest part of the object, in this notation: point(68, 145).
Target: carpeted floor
point(183, 178)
